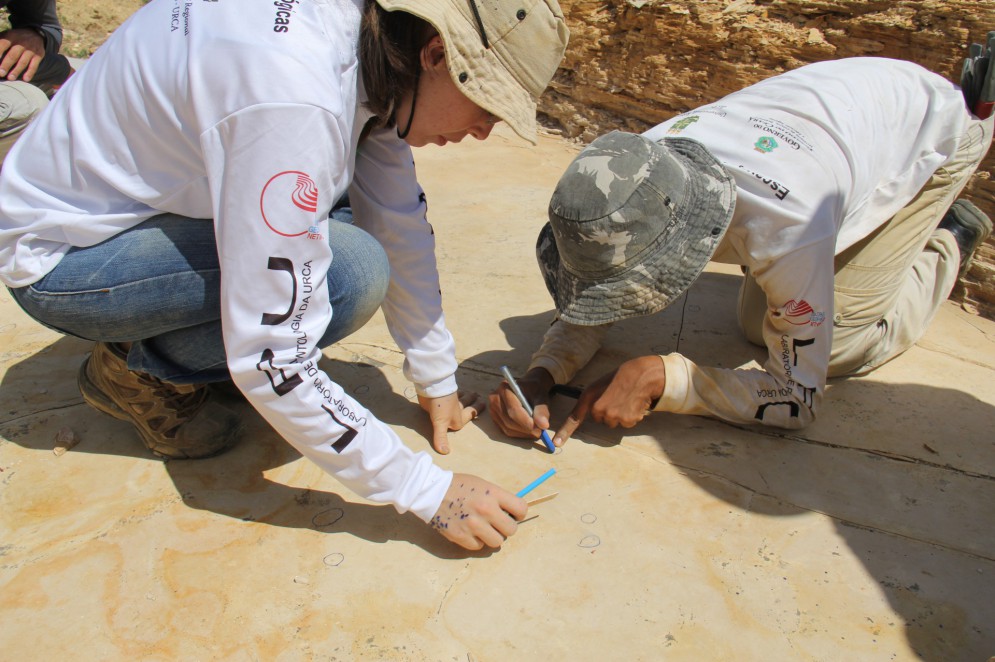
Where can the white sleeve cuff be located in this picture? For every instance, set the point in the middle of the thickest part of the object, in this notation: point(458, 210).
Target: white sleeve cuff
point(438, 389)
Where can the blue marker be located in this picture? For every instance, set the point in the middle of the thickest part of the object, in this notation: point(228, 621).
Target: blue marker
point(525, 403)
point(536, 483)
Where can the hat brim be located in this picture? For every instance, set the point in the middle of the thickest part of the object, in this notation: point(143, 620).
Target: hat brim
point(489, 84)
point(497, 92)
point(671, 267)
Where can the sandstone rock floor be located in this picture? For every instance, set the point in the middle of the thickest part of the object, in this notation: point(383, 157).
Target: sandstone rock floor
point(868, 536)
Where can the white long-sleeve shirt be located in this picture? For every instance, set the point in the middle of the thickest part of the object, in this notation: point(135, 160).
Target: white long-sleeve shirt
point(821, 156)
point(248, 113)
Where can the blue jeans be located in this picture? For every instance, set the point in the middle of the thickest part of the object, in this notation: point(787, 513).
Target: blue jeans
point(158, 286)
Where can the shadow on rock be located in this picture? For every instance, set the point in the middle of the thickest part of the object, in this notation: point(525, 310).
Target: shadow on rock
point(922, 529)
point(39, 397)
point(702, 325)
point(900, 468)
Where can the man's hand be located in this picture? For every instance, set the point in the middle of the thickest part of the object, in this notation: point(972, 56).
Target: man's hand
point(475, 513)
point(508, 412)
point(22, 50)
point(450, 412)
point(623, 397)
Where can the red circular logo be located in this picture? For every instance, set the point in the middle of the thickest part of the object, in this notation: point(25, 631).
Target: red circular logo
point(288, 203)
point(798, 312)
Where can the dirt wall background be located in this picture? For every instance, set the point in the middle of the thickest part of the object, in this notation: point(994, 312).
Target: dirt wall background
point(634, 63)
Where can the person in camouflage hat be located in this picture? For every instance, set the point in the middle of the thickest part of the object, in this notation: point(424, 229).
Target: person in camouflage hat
point(846, 225)
point(639, 220)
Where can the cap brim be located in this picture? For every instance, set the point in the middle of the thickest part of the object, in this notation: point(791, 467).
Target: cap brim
point(489, 84)
point(497, 92)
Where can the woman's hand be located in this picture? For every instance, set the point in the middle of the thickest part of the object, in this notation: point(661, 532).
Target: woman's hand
point(475, 513)
point(450, 412)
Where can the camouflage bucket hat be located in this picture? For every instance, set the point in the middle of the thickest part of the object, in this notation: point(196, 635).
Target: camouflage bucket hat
point(632, 223)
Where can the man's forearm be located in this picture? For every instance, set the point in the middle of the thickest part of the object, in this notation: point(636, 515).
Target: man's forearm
point(566, 348)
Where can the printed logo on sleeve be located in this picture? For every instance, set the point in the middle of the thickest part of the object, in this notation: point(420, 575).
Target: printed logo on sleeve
point(765, 145)
point(799, 313)
point(786, 133)
point(288, 204)
point(682, 124)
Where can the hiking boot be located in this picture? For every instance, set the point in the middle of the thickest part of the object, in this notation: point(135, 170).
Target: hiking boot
point(174, 421)
point(970, 227)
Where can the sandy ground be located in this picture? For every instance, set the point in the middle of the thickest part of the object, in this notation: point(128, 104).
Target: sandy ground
point(868, 536)
point(87, 23)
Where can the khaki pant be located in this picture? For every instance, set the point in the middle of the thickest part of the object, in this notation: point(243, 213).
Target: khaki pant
point(889, 286)
point(20, 102)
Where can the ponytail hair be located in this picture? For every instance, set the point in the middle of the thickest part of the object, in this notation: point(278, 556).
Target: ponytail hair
point(389, 48)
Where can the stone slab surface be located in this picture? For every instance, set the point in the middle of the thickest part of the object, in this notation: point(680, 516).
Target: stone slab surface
point(868, 536)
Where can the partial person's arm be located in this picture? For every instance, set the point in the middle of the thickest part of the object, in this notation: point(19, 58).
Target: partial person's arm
point(567, 348)
point(35, 33)
point(272, 191)
point(388, 203)
point(41, 15)
point(798, 332)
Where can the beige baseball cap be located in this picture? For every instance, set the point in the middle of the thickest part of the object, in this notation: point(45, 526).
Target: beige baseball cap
point(501, 53)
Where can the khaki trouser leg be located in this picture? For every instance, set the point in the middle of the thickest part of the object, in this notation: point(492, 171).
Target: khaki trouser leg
point(889, 286)
point(752, 309)
point(20, 102)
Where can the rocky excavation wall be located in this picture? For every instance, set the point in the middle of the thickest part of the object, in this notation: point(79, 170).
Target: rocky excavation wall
point(633, 63)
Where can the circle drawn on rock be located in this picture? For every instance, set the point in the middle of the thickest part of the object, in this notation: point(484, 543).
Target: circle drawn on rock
point(333, 560)
point(327, 517)
point(361, 389)
point(288, 203)
point(588, 518)
point(589, 541)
